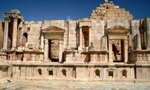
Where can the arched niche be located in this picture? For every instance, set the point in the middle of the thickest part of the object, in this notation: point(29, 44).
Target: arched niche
point(25, 39)
point(97, 73)
point(40, 72)
point(64, 72)
point(124, 73)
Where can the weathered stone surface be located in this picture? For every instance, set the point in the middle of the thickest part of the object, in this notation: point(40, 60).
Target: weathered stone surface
point(108, 11)
point(108, 46)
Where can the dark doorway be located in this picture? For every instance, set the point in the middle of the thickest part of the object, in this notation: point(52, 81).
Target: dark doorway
point(54, 50)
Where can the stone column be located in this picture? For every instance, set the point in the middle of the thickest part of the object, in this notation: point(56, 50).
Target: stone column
point(125, 51)
point(60, 50)
point(148, 33)
point(138, 40)
point(89, 36)
point(46, 50)
point(14, 39)
point(42, 41)
point(130, 42)
point(110, 52)
point(80, 37)
point(5, 41)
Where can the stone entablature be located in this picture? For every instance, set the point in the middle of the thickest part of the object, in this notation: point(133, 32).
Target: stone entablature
point(108, 46)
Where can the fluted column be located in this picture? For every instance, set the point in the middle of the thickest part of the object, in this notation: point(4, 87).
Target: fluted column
point(5, 41)
point(14, 39)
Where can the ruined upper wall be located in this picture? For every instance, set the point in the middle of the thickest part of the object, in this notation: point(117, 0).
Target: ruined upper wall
point(109, 11)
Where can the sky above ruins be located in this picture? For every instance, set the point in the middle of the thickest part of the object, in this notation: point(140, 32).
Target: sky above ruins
point(40, 10)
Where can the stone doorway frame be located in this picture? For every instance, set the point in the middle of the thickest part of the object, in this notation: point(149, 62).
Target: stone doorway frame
point(52, 33)
point(118, 33)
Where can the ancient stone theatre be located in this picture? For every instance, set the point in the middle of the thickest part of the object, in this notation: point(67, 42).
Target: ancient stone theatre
point(107, 46)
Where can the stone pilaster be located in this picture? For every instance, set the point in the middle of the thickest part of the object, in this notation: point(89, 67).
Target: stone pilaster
point(89, 36)
point(148, 33)
point(104, 43)
point(80, 37)
point(125, 51)
point(60, 50)
point(5, 41)
point(138, 39)
point(110, 52)
point(130, 42)
point(14, 39)
point(46, 50)
point(42, 41)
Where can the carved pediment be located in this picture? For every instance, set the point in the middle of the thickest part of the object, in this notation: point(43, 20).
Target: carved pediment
point(53, 32)
point(117, 30)
point(53, 29)
point(85, 22)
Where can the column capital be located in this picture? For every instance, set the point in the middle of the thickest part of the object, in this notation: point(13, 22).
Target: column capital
point(6, 18)
point(15, 19)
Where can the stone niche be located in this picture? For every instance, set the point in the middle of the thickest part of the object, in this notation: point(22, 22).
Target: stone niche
point(85, 33)
point(53, 43)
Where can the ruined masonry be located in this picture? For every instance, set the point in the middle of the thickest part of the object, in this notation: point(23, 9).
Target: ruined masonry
point(107, 46)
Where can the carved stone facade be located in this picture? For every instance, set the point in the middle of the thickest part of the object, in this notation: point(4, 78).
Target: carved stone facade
point(108, 46)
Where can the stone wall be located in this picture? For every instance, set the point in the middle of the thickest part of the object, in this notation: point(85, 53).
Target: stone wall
point(72, 38)
point(97, 32)
point(75, 72)
point(33, 30)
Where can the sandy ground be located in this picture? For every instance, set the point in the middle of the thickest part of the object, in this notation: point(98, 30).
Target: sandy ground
point(62, 85)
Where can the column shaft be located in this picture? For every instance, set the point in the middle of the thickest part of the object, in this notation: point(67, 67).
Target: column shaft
point(14, 39)
point(80, 37)
point(138, 42)
point(148, 32)
point(125, 51)
point(42, 42)
point(46, 50)
point(60, 50)
point(89, 36)
point(110, 51)
point(5, 41)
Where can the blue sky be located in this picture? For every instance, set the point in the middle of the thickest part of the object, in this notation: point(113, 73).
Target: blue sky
point(40, 10)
